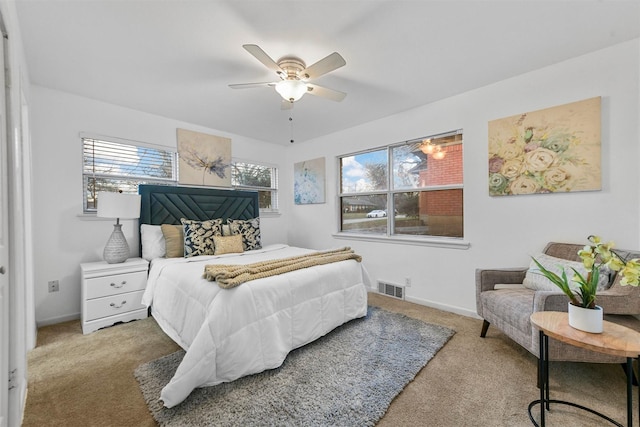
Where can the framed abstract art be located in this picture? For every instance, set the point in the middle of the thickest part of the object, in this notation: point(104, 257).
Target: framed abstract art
point(309, 181)
point(204, 159)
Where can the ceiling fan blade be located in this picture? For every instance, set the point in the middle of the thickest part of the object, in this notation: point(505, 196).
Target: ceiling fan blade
point(286, 105)
point(250, 85)
point(261, 56)
point(324, 92)
point(325, 65)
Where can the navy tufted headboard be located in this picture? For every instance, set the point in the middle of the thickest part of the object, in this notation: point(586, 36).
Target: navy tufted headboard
point(163, 204)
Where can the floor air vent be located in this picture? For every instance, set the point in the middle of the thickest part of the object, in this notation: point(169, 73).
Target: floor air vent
point(391, 290)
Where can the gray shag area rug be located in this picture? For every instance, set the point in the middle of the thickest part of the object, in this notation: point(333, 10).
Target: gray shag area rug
point(346, 378)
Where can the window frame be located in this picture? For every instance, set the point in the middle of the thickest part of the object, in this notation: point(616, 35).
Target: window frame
point(390, 235)
point(273, 189)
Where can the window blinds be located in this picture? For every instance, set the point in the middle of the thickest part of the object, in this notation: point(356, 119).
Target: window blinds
point(113, 166)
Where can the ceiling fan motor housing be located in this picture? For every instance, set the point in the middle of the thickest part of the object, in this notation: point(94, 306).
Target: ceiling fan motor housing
point(292, 66)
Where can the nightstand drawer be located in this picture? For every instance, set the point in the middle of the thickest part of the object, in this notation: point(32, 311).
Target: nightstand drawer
point(115, 284)
point(113, 305)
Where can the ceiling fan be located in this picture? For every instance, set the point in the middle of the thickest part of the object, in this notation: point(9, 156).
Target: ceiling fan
point(294, 76)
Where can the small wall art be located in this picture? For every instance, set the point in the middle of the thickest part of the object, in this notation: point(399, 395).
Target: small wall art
point(555, 150)
point(204, 159)
point(309, 181)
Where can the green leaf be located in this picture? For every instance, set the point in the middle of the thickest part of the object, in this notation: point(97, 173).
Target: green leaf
point(560, 282)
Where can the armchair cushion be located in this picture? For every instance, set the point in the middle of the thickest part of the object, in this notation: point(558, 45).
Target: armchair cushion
point(511, 303)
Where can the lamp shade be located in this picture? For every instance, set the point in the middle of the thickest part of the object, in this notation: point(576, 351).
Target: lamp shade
point(118, 205)
point(291, 90)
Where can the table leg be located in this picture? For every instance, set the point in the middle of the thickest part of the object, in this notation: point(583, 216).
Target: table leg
point(546, 368)
point(542, 376)
point(629, 392)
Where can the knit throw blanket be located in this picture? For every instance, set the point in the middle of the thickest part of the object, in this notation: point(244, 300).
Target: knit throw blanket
point(230, 276)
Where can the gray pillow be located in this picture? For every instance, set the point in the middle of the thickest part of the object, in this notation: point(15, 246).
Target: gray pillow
point(534, 279)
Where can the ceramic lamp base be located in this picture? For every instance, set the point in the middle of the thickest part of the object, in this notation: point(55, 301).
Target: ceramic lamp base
point(117, 248)
point(586, 319)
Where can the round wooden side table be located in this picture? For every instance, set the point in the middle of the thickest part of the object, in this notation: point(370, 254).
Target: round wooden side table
point(615, 340)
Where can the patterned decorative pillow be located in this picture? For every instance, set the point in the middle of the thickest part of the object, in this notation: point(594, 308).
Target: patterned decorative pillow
point(174, 240)
point(198, 236)
point(250, 230)
point(534, 279)
point(228, 244)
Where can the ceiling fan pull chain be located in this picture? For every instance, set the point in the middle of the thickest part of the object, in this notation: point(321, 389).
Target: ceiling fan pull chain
point(291, 123)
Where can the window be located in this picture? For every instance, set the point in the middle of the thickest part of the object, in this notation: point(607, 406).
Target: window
point(254, 176)
point(419, 182)
point(121, 166)
point(117, 166)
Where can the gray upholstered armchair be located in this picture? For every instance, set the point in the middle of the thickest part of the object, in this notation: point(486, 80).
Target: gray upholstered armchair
point(510, 307)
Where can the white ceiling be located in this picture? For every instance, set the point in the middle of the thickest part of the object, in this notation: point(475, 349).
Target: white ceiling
point(175, 58)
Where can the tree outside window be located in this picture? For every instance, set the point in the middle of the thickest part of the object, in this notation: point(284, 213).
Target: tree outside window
point(259, 177)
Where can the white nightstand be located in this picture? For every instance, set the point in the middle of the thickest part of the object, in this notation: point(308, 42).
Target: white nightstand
point(112, 293)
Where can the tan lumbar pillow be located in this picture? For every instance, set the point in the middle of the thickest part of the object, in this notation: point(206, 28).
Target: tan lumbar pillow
point(228, 244)
point(174, 240)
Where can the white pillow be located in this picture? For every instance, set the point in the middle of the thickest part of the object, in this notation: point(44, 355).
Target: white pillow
point(153, 244)
point(534, 279)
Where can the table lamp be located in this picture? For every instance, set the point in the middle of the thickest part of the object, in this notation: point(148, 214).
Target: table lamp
point(117, 205)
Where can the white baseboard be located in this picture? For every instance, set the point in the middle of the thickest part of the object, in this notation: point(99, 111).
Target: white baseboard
point(54, 320)
point(444, 307)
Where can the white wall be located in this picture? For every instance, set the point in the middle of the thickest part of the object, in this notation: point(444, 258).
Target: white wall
point(64, 238)
point(502, 231)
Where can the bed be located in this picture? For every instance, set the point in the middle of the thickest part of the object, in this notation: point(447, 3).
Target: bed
point(246, 329)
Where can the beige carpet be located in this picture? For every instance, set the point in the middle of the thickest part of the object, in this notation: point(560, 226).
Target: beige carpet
point(87, 380)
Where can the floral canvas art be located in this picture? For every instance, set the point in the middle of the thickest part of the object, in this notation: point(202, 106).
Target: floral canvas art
point(546, 151)
point(309, 181)
point(204, 159)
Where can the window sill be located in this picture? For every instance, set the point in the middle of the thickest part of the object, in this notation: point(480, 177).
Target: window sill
point(442, 242)
point(93, 217)
point(269, 214)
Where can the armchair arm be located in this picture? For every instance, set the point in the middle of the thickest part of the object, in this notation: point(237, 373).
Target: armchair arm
point(550, 301)
point(618, 304)
point(610, 303)
point(486, 279)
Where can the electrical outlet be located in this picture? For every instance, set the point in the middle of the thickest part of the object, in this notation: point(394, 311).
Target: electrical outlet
point(54, 286)
point(407, 282)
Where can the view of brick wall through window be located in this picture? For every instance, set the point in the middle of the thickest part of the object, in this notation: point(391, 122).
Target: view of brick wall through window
point(441, 210)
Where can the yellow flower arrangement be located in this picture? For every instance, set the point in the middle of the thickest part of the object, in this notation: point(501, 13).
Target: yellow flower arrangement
point(595, 257)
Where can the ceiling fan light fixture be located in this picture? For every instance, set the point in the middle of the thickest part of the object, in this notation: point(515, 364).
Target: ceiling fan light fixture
point(427, 147)
point(439, 154)
point(291, 90)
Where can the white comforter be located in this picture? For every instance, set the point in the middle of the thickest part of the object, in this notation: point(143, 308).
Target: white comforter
point(230, 333)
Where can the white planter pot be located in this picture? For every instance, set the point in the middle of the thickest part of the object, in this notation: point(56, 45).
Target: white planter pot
point(586, 319)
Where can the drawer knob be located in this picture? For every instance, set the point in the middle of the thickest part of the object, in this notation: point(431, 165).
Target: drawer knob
point(124, 282)
point(114, 305)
